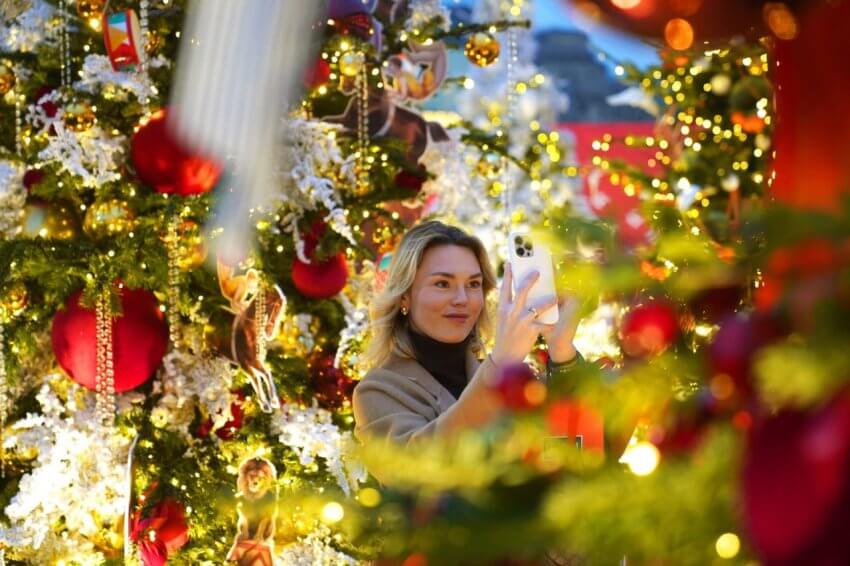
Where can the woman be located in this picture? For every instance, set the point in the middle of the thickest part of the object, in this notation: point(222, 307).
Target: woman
point(428, 326)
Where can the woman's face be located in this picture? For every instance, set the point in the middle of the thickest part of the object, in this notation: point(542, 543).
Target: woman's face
point(447, 295)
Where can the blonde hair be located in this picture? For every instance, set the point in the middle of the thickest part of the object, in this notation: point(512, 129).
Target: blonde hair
point(388, 327)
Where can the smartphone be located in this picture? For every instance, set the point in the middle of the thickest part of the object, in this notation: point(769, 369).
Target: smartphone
point(525, 255)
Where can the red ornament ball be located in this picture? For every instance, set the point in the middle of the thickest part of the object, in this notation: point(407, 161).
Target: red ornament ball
point(32, 177)
point(715, 303)
point(162, 162)
point(317, 75)
point(649, 329)
point(411, 181)
point(796, 485)
point(518, 387)
point(734, 346)
point(332, 386)
point(320, 279)
point(162, 533)
point(140, 338)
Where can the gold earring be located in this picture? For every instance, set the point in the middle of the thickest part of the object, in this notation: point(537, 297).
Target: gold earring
point(404, 311)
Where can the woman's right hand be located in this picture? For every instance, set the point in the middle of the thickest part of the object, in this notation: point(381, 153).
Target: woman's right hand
point(517, 329)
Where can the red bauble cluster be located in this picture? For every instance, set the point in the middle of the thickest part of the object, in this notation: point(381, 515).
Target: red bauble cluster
point(796, 486)
point(518, 387)
point(139, 340)
point(163, 163)
point(332, 386)
point(319, 279)
point(162, 533)
point(649, 329)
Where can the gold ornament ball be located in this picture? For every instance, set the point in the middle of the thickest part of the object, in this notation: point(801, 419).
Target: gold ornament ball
point(109, 218)
point(7, 79)
point(15, 300)
point(482, 49)
point(153, 43)
point(51, 221)
point(490, 166)
point(79, 117)
point(191, 247)
point(351, 63)
point(90, 8)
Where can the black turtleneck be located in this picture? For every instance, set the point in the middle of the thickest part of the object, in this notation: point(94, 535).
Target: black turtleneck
point(446, 362)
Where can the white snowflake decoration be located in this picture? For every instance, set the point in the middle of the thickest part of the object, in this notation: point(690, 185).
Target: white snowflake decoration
point(311, 433)
point(78, 476)
point(13, 197)
point(314, 550)
point(423, 11)
point(98, 75)
point(187, 381)
point(91, 155)
point(310, 158)
point(28, 29)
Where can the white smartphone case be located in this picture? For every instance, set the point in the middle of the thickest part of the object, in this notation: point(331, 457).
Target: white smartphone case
point(526, 255)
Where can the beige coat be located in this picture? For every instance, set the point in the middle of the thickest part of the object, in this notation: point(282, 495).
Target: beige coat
point(402, 402)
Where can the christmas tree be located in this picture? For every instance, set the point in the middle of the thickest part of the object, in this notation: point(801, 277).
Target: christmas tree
point(728, 385)
point(161, 405)
point(157, 402)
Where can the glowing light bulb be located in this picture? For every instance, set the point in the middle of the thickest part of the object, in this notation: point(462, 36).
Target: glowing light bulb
point(626, 4)
point(332, 512)
point(728, 545)
point(641, 457)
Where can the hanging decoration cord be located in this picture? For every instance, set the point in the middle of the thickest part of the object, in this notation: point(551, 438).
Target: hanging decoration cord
point(260, 321)
point(4, 394)
point(19, 102)
point(362, 87)
point(104, 369)
point(64, 50)
point(143, 60)
point(173, 282)
point(510, 64)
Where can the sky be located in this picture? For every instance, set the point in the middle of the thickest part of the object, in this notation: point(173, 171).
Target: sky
point(559, 14)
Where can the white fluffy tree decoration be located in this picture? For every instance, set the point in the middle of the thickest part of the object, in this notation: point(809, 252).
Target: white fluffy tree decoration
point(75, 490)
point(13, 197)
point(311, 434)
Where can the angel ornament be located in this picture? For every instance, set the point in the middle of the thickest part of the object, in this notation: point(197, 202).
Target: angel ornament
point(257, 508)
